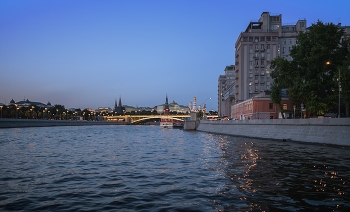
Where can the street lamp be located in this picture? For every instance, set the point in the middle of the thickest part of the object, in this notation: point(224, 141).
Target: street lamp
point(301, 111)
point(1, 110)
point(294, 107)
point(339, 84)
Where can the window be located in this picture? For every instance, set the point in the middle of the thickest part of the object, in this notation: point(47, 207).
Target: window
point(284, 106)
point(268, 38)
point(262, 47)
point(262, 63)
point(262, 88)
point(283, 49)
point(274, 38)
point(284, 41)
point(270, 105)
point(290, 41)
point(250, 39)
point(262, 79)
point(256, 39)
point(250, 79)
point(250, 71)
point(250, 55)
point(251, 63)
point(268, 55)
point(262, 55)
point(256, 62)
point(245, 39)
point(250, 46)
point(290, 48)
point(267, 87)
point(262, 38)
point(268, 46)
point(302, 24)
point(267, 79)
point(257, 47)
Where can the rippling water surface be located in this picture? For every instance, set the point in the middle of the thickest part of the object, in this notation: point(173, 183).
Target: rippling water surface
point(144, 168)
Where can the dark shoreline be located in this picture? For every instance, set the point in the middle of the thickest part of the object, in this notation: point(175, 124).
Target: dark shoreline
point(19, 123)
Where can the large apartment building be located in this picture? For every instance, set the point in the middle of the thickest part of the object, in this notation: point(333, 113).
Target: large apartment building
point(261, 42)
point(255, 48)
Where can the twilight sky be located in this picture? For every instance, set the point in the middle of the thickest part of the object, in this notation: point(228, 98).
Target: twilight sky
point(85, 53)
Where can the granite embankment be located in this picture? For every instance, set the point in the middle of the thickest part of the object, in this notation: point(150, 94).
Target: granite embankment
point(15, 123)
point(317, 130)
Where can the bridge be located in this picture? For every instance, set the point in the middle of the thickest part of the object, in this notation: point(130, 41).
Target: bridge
point(135, 119)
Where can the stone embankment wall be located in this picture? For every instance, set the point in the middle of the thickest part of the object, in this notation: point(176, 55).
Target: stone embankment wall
point(15, 123)
point(318, 130)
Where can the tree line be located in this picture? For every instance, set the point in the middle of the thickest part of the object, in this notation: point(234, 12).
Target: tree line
point(320, 68)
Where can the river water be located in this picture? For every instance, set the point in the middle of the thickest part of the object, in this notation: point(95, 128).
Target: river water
point(145, 168)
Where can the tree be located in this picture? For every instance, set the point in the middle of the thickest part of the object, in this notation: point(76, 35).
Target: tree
point(276, 97)
point(307, 77)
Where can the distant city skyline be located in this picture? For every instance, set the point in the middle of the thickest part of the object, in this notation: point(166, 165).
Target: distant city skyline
point(85, 54)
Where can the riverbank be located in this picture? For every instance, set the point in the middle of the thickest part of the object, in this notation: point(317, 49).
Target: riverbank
point(16, 123)
point(318, 130)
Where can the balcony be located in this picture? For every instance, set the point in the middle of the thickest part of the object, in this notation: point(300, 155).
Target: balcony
point(256, 81)
point(256, 50)
point(262, 49)
point(262, 82)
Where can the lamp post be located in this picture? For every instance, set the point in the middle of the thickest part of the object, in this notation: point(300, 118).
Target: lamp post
point(1, 110)
point(339, 92)
point(301, 111)
point(339, 88)
point(294, 107)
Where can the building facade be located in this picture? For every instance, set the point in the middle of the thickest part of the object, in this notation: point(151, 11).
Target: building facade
point(261, 107)
point(255, 48)
point(226, 88)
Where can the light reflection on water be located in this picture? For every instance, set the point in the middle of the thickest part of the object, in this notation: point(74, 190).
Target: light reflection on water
point(135, 168)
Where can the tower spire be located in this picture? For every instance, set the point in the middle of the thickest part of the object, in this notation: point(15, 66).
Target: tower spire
point(166, 106)
point(120, 101)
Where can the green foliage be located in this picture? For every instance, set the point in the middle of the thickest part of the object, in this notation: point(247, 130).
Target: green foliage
point(308, 78)
point(199, 114)
point(276, 97)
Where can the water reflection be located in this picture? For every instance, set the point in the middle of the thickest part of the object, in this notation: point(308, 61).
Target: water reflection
point(274, 175)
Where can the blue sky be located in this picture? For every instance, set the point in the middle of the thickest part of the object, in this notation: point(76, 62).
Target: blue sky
point(85, 54)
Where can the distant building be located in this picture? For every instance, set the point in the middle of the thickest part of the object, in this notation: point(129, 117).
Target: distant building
point(119, 108)
point(27, 103)
point(172, 107)
point(104, 110)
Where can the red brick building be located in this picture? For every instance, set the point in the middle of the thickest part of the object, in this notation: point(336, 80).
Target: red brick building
point(260, 107)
